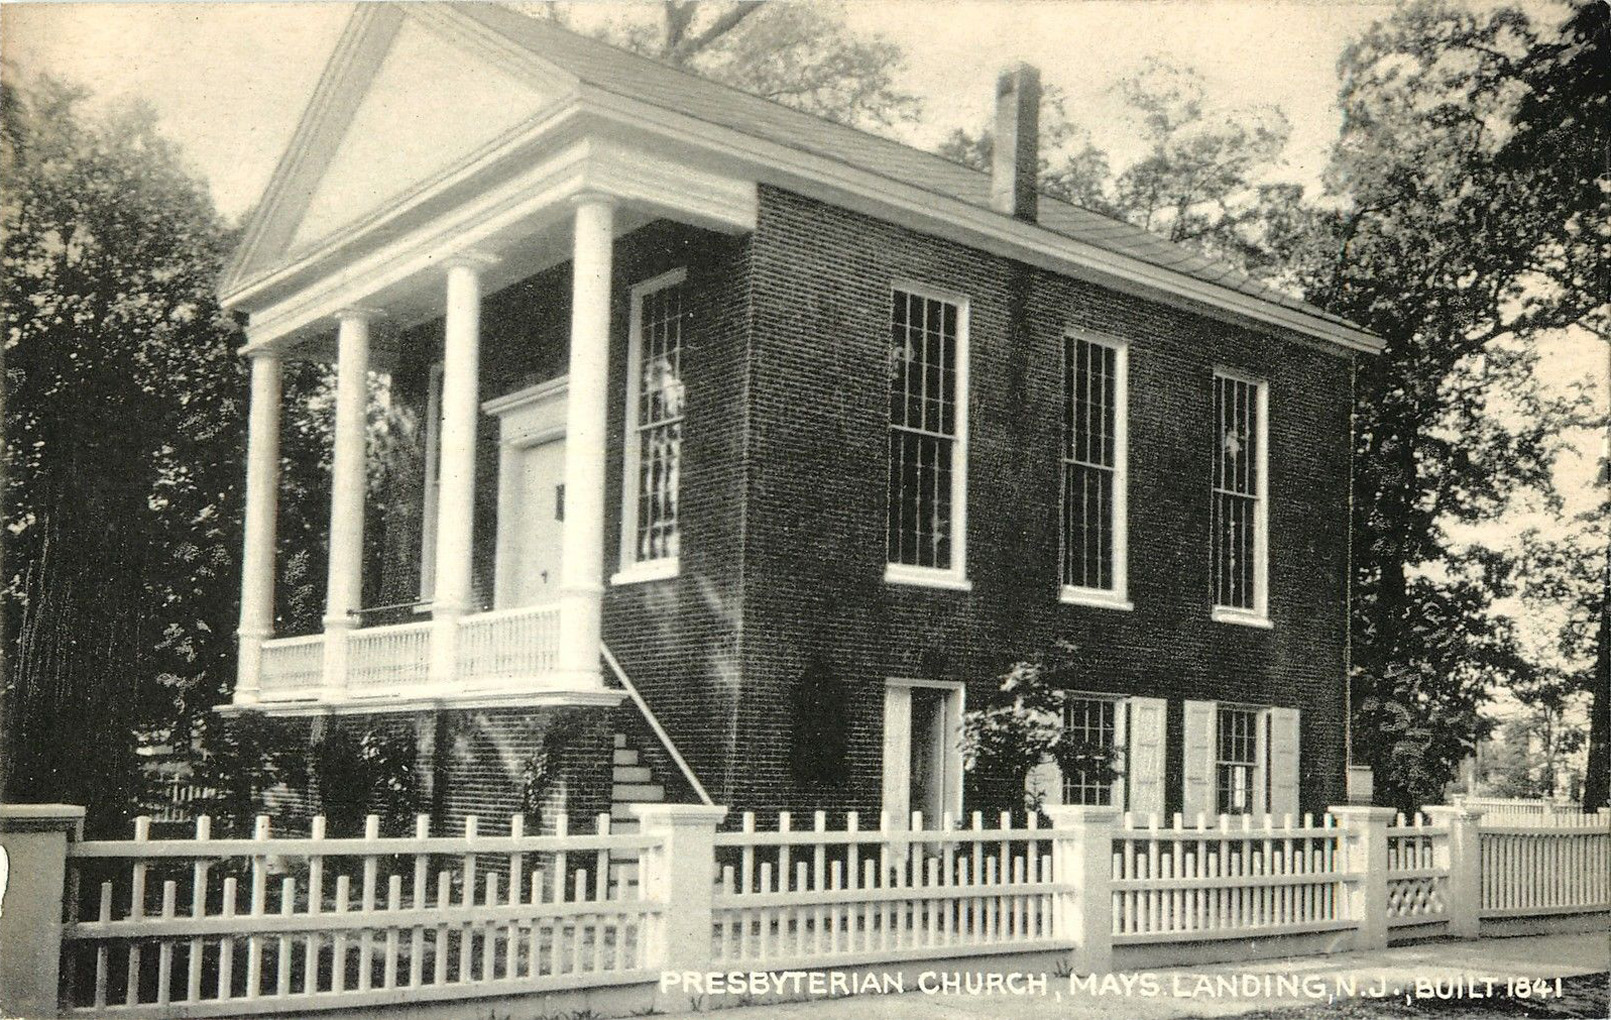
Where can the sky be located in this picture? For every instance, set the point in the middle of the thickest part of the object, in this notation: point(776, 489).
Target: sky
point(228, 82)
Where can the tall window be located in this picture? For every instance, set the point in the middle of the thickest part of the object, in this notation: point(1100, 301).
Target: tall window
point(927, 436)
point(1238, 527)
point(654, 425)
point(1094, 460)
point(1238, 759)
point(1092, 721)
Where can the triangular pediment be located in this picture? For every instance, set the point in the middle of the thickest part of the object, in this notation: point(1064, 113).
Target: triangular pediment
point(408, 96)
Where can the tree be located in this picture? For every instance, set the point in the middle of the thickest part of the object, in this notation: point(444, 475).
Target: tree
point(1197, 182)
point(124, 420)
point(1458, 250)
point(1021, 726)
point(800, 55)
point(1563, 125)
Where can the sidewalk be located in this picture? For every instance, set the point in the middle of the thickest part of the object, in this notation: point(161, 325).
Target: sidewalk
point(1445, 970)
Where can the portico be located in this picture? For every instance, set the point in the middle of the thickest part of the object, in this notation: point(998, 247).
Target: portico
point(344, 259)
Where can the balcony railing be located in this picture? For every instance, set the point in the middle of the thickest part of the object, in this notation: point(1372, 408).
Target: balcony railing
point(293, 667)
point(388, 657)
point(509, 645)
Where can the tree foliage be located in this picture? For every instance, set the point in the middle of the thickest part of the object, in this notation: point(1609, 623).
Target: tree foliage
point(124, 421)
point(1021, 726)
point(1199, 180)
point(802, 55)
point(1458, 253)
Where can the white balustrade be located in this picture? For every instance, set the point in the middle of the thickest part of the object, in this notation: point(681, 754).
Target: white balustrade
point(1417, 872)
point(509, 644)
point(292, 667)
point(385, 658)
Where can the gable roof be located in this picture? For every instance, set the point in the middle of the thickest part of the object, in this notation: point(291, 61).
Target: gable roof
point(565, 57)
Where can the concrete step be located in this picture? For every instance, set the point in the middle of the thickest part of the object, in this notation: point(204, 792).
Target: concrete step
point(651, 793)
point(620, 741)
point(633, 774)
point(625, 756)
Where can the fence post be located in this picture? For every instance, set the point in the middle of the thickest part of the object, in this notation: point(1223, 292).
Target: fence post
point(681, 874)
point(1082, 858)
point(1462, 855)
point(1364, 845)
point(33, 885)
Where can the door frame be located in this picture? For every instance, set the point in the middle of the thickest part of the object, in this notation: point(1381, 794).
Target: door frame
point(898, 748)
point(526, 418)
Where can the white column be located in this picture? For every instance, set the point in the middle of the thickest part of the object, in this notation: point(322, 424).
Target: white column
point(344, 590)
point(262, 503)
point(455, 507)
point(581, 596)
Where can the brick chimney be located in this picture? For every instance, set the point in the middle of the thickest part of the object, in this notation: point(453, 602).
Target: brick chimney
point(1016, 163)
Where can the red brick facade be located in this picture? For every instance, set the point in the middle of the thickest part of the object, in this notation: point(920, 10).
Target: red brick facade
point(783, 500)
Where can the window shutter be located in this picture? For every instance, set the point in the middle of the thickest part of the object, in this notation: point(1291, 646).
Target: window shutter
point(1283, 761)
point(1144, 756)
point(897, 754)
point(1197, 760)
point(1046, 779)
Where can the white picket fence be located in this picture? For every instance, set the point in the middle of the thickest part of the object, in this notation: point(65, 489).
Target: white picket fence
point(270, 925)
point(1225, 877)
point(794, 898)
point(1545, 865)
point(274, 924)
point(1493, 807)
point(1418, 872)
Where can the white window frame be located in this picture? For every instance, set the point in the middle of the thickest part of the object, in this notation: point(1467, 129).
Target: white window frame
point(633, 569)
point(431, 486)
point(956, 576)
point(1259, 614)
point(1118, 795)
point(1118, 596)
point(895, 799)
point(1277, 765)
point(1259, 780)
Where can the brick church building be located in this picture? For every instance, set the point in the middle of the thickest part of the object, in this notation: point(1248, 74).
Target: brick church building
point(729, 420)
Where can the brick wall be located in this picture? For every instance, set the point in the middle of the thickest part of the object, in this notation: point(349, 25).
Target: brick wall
point(815, 515)
point(678, 639)
point(783, 497)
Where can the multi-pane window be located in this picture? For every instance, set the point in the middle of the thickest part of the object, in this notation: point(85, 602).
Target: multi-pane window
point(1238, 511)
point(1093, 459)
point(1238, 760)
point(927, 424)
point(1094, 722)
point(657, 412)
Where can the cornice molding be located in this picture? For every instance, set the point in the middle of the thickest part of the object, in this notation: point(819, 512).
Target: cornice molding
point(537, 198)
point(945, 216)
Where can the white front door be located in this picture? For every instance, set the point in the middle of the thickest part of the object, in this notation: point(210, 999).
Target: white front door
point(537, 520)
point(531, 493)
